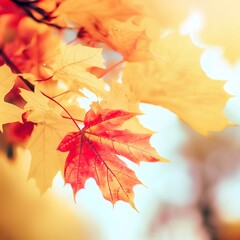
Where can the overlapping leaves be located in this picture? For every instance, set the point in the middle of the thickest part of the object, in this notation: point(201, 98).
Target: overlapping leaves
point(158, 68)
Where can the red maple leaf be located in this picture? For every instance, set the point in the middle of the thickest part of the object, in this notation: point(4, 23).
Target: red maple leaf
point(93, 152)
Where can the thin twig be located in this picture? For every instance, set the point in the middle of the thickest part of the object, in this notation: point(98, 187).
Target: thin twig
point(111, 68)
point(15, 69)
point(59, 104)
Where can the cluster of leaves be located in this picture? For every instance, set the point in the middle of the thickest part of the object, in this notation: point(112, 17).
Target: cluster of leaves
point(43, 77)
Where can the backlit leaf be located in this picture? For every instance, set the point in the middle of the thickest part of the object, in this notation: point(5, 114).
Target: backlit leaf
point(94, 150)
point(8, 112)
point(46, 160)
point(175, 80)
point(46, 135)
point(71, 66)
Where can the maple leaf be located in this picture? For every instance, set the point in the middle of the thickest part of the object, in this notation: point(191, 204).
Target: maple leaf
point(175, 80)
point(7, 80)
point(94, 150)
point(128, 37)
point(38, 106)
point(46, 160)
point(48, 131)
point(118, 23)
point(71, 66)
point(125, 100)
point(112, 23)
point(8, 112)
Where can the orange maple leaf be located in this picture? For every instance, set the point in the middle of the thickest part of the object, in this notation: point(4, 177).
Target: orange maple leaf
point(94, 150)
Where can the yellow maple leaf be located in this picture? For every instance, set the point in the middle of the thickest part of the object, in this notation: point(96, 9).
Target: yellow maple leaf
point(71, 66)
point(46, 160)
point(128, 38)
point(38, 105)
point(118, 23)
point(175, 80)
point(112, 23)
point(124, 99)
point(46, 136)
point(7, 80)
point(8, 112)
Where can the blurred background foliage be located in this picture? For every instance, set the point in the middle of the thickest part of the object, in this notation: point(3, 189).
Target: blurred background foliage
point(195, 196)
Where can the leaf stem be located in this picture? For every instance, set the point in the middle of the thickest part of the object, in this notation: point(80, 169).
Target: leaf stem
point(77, 120)
point(60, 94)
point(60, 105)
point(110, 68)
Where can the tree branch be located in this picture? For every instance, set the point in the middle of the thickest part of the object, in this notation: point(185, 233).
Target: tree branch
point(15, 69)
